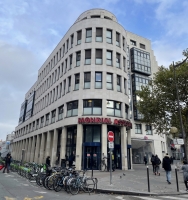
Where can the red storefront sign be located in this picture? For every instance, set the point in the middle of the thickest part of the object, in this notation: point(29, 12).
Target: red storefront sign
point(102, 120)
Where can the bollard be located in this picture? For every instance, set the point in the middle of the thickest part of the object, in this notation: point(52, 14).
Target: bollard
point(177, 179)
point(148, 179)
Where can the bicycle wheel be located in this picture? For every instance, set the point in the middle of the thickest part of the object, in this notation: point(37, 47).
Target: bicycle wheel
point(58, 185)
point(89, 185)
point(73, 187)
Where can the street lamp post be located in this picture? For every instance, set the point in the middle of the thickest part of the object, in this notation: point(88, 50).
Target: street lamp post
point(178, 101)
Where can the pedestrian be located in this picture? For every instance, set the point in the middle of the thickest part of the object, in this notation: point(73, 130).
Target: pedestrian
point(145, 160)
point(48, 161)
point(157, 165)
point(185, 174)
point(153, 163)
point(167, 167)
point(8, 160)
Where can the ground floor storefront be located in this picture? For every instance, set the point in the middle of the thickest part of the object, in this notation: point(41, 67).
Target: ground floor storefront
point(83, 145)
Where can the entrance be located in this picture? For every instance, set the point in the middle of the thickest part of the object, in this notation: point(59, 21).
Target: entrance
point(117, 156)
point(92, 156)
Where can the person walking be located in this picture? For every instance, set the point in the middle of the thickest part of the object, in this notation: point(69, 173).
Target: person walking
point(185, 174)
point(48, 161)
point(157, 165)
point(145, 160)
point(8, 160)
point(153, 163)
point(167, 167)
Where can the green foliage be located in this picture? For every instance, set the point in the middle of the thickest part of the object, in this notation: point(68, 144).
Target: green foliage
point(159, 98)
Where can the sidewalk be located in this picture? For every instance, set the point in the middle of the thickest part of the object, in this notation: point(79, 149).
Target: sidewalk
point(134, 182)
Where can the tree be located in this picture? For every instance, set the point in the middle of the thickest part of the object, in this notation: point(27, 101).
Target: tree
point(159, 104)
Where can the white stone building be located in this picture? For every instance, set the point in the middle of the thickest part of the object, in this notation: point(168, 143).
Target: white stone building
point(84, 89)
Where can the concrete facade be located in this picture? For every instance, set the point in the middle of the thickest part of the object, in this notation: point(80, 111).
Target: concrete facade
point(82, 93)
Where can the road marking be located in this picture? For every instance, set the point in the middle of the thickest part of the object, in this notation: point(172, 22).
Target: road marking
point(9, 198)
point(40, 192)
point(146, 198)
point(177, 197)
point(26, 198)
point(119, 197)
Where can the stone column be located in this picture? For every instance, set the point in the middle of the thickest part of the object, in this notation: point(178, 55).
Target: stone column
point(124, 148)
point(31, 159)
point(104, 142)
point(29, 149)
point(48, 144)
point(129, 142)
point(54, 147)
point(37, 149)
point(41, 158)
point(20, 150)
point(79, 142)
point(63, 143)
point(16, 151)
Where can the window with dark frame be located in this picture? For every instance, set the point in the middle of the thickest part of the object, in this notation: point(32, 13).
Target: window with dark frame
point(138, 129)
point(47, 119)
point(87, 80)
point(117, 60)
point(72, 40)
point(72, 108)
point(88, 57)
point(70, 60)
point(109, 81)
point(109, 57)
point(60, 112)
point(117, 39)
point(77, 81)
point(78, 58)
point(98, 80)
point(98, 60)
point(69, 84)
point(109, 36)
point(133, 42)
point(53, 116)
point(79, 37)
point(88, 35)
point(118, 83)
point(149, 130)
point(41, 122)
point(92, 107)
point(98, 34)
point(142, 46)
point(113, 108)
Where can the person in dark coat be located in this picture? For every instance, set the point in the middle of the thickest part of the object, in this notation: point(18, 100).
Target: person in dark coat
point(48, 161)
point(8, 160)
point(185, 174)
point(145, 160)
point(157, 165)
point(153, 162)
point(167, 167)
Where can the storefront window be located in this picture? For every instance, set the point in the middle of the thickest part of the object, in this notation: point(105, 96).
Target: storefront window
point(92, 134)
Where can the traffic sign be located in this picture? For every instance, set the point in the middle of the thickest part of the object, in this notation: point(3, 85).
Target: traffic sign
point(110, 145)
point(180, 141)
point(110, 136)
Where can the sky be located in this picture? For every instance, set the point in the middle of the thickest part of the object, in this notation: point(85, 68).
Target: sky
point(31, 29)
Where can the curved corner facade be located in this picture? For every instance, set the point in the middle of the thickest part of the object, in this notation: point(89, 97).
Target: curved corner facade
point(84, 90)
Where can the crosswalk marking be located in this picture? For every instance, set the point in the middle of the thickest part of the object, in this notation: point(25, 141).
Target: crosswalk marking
point(177, 197)
point(147, 198)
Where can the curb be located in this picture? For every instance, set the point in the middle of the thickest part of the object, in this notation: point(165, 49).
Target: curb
point(137, 193)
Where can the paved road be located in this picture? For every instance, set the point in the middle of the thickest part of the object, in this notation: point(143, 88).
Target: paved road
point(15, 187)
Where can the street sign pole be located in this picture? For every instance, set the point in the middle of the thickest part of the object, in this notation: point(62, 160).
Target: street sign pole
point(110, 166)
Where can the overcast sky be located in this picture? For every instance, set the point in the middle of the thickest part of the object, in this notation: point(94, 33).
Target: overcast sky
point(30, 30)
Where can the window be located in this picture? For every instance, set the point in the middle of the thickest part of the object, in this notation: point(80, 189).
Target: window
point(55, 76)
point(138, 129)
point(64, 88)
point(98, 80)
point(125, 85)
point(53, 116)
point(109, 83)
point(98, 57)
point(126, 111)
point(117, 39)
point(87, 80)
point(113, 108)
point(65, 66)
point(78, 58)
point(72, 40)
point(124, 64)
point(58, 74)
point(79, 37)
point(148, 130)
point(67, 45)
point(47, 119)
point(53, 95)
point(60, 112)
point(88, 57)
point(142, 46)
point(60, 89)
point(98, 34)
point(109, 36)
point(52, 78)
point(109, 57)
point(70, 59)
point(37, 125)
point(118, 83)
point(92, 107)
point(133, 42)
point(95, 16)
point(56, 96)
point(41, 122)
point(33, 126)
point(72, 108)
point(117, 60)
point(62, 65)
point(92, 133)
point(63, 50)
point(77, 81)
point(88, 35)
point(69, 84)
point(124, 44)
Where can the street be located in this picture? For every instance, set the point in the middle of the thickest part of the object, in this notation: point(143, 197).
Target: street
point(15, 187)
